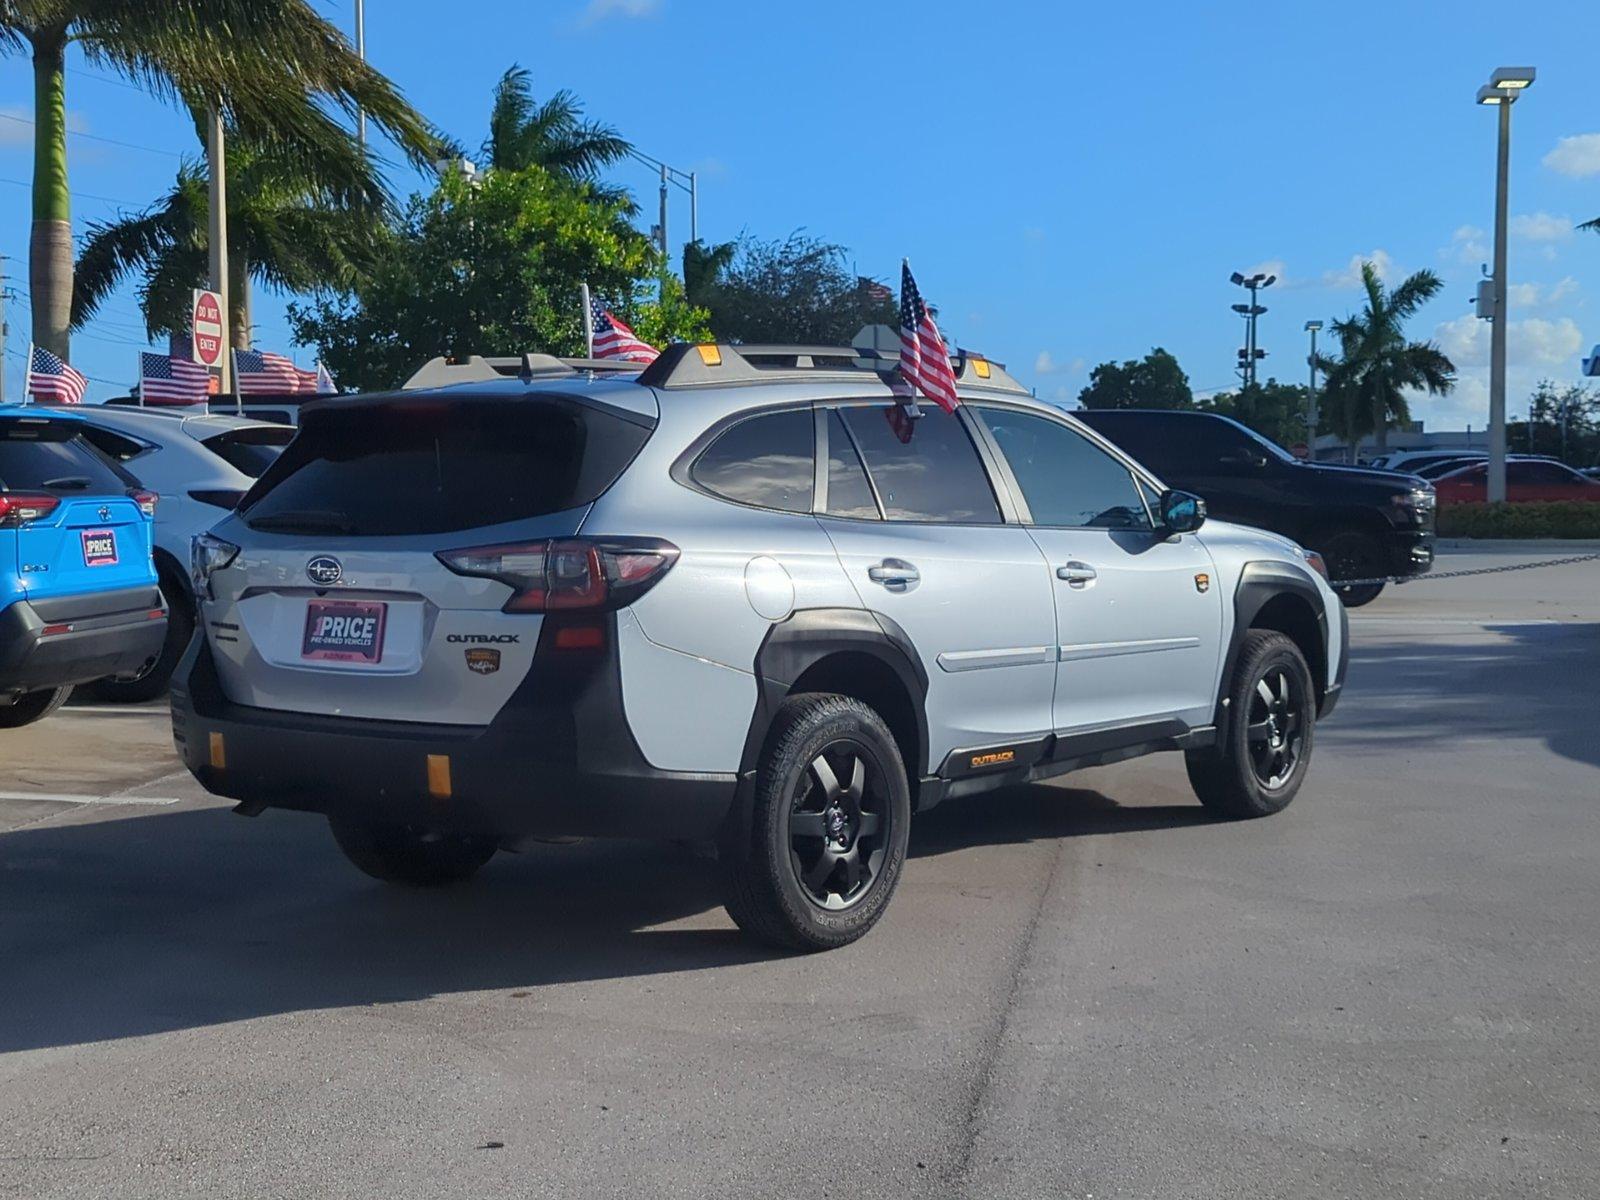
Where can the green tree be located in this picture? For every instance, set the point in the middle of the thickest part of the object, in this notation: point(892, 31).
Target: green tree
point(1155, 381)
point(1366, 386)
point(1274, 410)
point(290, 229)
point(492, 267)
point(276, 69)
point(1551, 405)
point(797, 290)
point(703, 267)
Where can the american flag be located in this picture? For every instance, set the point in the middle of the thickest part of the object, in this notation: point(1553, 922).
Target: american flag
point(924, 361)
point(261, 372)
point(50, 378)
point(325, 384)
point(613, 339)
point(172, 379)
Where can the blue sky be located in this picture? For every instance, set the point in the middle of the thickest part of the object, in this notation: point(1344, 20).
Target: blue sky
point(1072, 183)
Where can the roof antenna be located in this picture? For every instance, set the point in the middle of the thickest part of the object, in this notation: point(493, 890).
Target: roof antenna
point(526, 373)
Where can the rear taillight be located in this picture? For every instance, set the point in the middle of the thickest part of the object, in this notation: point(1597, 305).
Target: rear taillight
point(146, 500)
point(18, 508)
point(220, 497)
point(207, 555)
point(568, 574)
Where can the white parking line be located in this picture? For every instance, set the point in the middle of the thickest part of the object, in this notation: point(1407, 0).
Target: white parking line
point(112, 710)
point(71, 798)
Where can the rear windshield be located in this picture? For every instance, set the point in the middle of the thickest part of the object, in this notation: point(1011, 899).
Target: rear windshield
point(250, 450)
point(421, 466)
point(52, 456)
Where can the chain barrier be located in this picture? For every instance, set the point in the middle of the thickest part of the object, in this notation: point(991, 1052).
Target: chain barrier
point(1527, 566)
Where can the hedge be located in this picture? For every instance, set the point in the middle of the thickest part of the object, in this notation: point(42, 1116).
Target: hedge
point(1540, 519)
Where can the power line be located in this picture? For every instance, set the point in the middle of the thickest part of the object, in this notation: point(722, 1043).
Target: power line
point(83, 195)
point(95, 137)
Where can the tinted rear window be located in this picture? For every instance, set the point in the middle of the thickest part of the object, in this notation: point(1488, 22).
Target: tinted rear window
point(251, 451)
point(924, 470)
point(405, 467)
point(1170, 445)
point(768, 460)
point(52, 456)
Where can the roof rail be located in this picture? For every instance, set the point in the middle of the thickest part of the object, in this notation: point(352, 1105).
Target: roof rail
point(876, 352)
point(475, 368)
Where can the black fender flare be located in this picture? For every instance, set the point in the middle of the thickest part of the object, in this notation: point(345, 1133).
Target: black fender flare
point(1259, 583)
point(800, 641)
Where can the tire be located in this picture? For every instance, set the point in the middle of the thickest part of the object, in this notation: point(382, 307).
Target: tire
point(155, 680)
point(1353, 555)
point(407, 855)
point(32, 706)
point(1259, 767)
point(830, 822)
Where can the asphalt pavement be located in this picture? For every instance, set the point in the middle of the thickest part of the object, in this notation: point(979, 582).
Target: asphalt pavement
point(1082, 989)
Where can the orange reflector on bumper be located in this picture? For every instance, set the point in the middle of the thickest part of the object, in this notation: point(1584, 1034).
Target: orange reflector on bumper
point(219, 752)
point(439, 776)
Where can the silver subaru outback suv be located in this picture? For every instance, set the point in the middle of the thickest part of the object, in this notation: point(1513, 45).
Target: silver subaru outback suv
point(748, 596)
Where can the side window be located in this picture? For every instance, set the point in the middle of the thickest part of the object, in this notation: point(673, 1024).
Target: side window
point(1066, 479)
point(114, 445)
point(768, 461)
point(1538, 472)
point(924, 470)
point(849, 493)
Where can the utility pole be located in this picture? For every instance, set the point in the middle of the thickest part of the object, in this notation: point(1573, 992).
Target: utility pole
point(694, 208)
point(361, 53)
point(1502, 90)
point(1311, 407)
point(216, 159)
point(663, 210)
point(5, 328)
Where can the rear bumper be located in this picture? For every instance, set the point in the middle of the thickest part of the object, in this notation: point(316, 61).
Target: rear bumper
point(50, 643)
point(559, 760)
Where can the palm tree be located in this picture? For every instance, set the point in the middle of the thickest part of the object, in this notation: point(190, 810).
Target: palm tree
point(276, 69)
point(703, 267)
point(1365, 387)
point(552, 135)
point(289, 229)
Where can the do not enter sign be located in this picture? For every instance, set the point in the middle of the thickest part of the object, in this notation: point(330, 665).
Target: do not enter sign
point(207, 327)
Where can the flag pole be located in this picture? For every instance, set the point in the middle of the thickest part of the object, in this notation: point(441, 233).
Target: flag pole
point(238, 399)
point(588, 321)
point(138, 358)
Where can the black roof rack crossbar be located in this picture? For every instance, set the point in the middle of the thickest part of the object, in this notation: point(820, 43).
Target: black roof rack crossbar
point(712, 364)
point(476, 368)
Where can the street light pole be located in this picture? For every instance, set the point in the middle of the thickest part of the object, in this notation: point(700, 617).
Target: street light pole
point(1311, 406)
point(1501, 91)
point(361, 53)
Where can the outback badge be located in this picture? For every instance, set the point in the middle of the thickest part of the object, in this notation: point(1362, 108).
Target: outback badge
point(1202, 583)
point(483, 662)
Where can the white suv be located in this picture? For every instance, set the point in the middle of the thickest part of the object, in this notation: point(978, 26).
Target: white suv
point(746, 595)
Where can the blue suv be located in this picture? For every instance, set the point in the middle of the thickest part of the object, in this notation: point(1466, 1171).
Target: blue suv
point(78, 593)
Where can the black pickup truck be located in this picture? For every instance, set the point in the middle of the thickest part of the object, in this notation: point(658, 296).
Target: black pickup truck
point(1364, 523)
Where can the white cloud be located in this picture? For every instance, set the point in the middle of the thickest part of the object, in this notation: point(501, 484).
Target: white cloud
point(1577, 156)
point(1350, 275)
point(1535, 342)
point(1468, 245)
point(1046, 364)
point(1539, 295)
point(1542, 227)
point(599, 10)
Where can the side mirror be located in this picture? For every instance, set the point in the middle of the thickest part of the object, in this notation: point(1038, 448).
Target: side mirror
point(1182, 512)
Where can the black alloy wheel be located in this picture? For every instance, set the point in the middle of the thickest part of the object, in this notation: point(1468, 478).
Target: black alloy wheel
point(840, 827)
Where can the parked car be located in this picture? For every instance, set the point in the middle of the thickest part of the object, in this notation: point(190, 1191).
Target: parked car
point(200, 464)
point(1410, 462)
point(78, 593)
point(1365, 523)
point(744, 596)
point(1528, 479)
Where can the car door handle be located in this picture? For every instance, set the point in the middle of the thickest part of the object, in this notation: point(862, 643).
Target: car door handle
point(894, 572)
point(1077, 574)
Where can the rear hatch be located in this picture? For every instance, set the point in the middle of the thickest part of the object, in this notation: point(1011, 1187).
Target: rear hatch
point(338, 603)
point(77, 529)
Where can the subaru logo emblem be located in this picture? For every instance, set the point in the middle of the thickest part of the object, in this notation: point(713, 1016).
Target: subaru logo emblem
point(105, 513)
point(324, 571)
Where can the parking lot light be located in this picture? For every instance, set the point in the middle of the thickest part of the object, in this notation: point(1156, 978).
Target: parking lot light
point(1515, 78)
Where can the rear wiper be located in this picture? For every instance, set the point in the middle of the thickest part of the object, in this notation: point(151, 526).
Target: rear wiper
point(298, 519)
point(67, 483)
